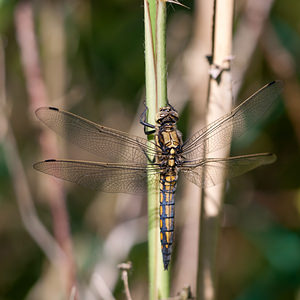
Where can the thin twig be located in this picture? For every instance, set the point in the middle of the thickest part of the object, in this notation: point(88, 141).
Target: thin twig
point(176, 2)
point(125, 267)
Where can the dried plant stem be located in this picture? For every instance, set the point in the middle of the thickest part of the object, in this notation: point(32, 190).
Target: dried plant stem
point(38, 97)
point(23, 195)
point(219, 103)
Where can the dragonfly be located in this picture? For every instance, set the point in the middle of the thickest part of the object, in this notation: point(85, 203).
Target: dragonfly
point(126, 161)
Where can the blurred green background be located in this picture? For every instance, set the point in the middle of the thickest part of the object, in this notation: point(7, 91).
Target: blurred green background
point(91, 59)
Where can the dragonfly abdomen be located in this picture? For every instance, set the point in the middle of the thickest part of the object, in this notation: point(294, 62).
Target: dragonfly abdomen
point(167, 211)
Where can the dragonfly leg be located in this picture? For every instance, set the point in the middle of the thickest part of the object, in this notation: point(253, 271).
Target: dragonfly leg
point(151, 160)
point(146, 124)
point(169, 104)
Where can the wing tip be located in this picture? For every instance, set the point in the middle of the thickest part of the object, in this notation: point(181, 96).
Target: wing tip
point(43, 108)
point(49, 160)
point(37, 165)
point(279, 83)
point(271, 158)
point(53, 108)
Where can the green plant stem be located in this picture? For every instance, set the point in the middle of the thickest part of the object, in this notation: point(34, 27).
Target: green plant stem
point(161, 68)
point(156, 96)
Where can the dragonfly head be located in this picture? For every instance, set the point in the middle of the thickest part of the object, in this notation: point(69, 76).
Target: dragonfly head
point(167, 115)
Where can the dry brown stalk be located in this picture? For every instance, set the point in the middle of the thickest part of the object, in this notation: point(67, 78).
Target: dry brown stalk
point(38, 97)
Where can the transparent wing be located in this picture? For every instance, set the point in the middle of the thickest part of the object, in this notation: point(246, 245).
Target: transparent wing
point(219, 133)
point(108, 144)
point(107, 177)
point(212, 171)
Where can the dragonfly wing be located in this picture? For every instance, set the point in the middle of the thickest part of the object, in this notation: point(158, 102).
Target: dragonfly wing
point(219, 133)
point(212, 171)
point(107, 177)
point(108, 144)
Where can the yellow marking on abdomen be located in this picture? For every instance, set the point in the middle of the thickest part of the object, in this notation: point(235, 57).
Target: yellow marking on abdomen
point(167, 223)
point(168, 236)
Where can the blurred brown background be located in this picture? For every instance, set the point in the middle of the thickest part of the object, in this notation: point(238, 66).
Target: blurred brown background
point(88, 57)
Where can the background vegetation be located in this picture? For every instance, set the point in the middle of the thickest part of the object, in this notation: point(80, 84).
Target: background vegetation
point(91, 60)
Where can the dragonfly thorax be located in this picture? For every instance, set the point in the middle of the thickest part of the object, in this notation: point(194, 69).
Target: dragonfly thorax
point(168, 140)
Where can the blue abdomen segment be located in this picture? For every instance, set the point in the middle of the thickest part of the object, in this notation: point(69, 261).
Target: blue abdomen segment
point(167, 212)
